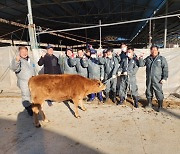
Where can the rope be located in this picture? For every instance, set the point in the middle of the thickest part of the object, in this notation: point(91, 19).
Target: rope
point(112, 78)
point(128, 86)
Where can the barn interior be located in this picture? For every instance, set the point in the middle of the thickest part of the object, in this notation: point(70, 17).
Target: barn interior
point(105, 128)
point(139, 23)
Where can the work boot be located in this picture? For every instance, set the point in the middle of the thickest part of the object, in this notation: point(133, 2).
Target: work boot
point(29, 110)
point(92, 97)
point(121, 101)
point(49, 102)
point(136, 102)
point(149, 100)
point(160, 103)
point(114, 97)
point(100, 97)
point(107, 97)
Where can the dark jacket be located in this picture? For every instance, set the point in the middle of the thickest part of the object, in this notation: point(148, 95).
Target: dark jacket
point(121, 56)
point(50, 63)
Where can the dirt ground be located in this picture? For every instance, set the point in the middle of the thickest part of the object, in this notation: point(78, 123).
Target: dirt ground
point(102, 128)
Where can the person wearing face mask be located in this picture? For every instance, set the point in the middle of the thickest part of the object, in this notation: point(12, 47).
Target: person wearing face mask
point(110, 64)
point(49, 61)
point(156, 75)
point(88, 53)
point(127, 71)
point(123, 51)
point(80, 69)
point(24, 69)
point(68, 62)
point(95, 71)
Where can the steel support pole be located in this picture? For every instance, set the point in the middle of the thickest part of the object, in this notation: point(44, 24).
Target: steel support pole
point(32, 36)
point(150, 37)
point(31, 27)
point(165, 27)
point(100, 45)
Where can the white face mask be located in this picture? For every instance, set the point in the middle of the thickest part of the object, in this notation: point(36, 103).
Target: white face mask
point(128, 54)
point(124, 49)
point(93, 56)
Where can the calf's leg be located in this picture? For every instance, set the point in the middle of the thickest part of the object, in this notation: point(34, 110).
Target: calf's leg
point(76, 103)
point(43, 116)
point(35, 108)
point(82, 105)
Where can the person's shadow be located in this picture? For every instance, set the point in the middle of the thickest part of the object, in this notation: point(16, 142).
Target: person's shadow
point(21, 137)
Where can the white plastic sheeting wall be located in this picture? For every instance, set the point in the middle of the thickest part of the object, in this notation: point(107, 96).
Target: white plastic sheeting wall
point(172, 86)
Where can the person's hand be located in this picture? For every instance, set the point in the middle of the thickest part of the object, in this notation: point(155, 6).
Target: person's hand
point(141, 55)
point(61, 53)
point(100, 54)
point(119, 73)
point(118, 52)
point(163, 81)
point(125, 73)
point(18, 58)
point(43, 53)
point(102, 78)
point(114, 76)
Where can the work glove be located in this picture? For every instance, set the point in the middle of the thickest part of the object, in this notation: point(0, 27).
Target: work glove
point(125, 73)
point(114, 76)
point(163, 81)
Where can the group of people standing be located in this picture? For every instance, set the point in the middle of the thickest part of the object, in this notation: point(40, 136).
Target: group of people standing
point(116, 70)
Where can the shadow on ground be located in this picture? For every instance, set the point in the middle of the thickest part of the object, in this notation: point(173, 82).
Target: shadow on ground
point(22, 137)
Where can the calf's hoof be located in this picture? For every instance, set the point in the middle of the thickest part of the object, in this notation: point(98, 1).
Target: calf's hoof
point(84, 109)
point(38, 125)
point(78, 116)
point(46, 120)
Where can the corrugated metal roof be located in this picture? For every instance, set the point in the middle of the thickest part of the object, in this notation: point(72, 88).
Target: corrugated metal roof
point(62, 14)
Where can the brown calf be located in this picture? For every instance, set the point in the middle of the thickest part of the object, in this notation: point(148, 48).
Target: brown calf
point(60, 88)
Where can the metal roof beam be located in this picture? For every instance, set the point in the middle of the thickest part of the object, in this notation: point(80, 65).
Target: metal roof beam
point(96, 14)
point(17, 10)
point(26, 26)
point(67, 10)
point(25, 5)
point(49, 10)
point(75, 1)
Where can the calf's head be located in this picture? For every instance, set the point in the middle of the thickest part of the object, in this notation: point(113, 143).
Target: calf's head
point(96, 86)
